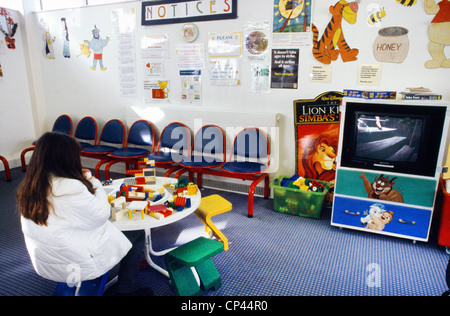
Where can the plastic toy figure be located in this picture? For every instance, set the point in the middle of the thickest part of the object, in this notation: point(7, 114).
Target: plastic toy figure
point(97, 44)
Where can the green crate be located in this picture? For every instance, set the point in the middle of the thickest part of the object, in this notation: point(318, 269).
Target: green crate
point(294, 201)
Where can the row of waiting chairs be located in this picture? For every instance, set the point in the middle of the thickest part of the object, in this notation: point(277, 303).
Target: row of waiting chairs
point(249, 158)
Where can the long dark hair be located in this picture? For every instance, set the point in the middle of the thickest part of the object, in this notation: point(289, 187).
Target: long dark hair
point(55, 154)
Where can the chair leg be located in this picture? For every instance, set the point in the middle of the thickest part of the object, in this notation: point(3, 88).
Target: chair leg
point(182, 278)
point(22, 157)
point(171, 170)
point(7, 170)
point(209, 276)
point(179, 173)
point(251, 193)
point(108, 166)
point(97, 167)
point(266, 187)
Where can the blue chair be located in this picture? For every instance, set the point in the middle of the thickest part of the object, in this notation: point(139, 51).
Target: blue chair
point(142, 135)
point(63, 124)
point(111, 138)
point(86, 131)
point(94, 287)
point(174, 145)
point(208, 151)
point(249, 160)
point(250, 143)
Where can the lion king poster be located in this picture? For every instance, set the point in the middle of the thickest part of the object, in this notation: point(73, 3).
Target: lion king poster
point(317, 135)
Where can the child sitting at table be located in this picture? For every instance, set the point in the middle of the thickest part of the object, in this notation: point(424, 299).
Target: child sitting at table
point(65, 222)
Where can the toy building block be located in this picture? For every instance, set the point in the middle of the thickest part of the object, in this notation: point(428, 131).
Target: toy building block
point(301, 184)
point(146, 174)
point(192, 189)
point(134, 192)
point(170, 187)
point(140, 206)
point(179, 202)
point(114, 204)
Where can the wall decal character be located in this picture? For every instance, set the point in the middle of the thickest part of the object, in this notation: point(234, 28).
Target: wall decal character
point(439, 33)
point(378, 217)
point(407, 3)
point(48, 50)
point(65, 36)
point(8, 28)
point(382, 189)
point(332, 43)
point(96, 44)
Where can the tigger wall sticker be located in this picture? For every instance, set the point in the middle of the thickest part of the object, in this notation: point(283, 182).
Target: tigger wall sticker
point(332, 43)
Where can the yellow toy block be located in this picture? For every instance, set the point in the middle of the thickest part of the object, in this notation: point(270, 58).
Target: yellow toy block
point(192, 189)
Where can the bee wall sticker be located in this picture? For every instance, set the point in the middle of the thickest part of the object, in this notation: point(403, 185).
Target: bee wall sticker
point(407, 3)
point(376, 16)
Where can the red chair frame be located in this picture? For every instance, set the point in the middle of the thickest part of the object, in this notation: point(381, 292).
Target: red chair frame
point(7, 170)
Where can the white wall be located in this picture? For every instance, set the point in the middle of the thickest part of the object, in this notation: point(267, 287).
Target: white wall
point(16, 119)
point(70, 86)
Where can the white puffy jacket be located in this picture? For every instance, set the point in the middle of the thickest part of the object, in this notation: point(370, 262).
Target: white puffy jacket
point(78, 243)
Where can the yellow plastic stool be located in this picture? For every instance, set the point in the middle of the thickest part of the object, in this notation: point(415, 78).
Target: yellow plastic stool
point(210, 206)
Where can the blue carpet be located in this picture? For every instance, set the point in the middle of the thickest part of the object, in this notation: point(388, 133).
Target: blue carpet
point(271, 254)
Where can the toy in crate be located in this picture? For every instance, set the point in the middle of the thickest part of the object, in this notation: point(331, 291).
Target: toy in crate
point(299, 196)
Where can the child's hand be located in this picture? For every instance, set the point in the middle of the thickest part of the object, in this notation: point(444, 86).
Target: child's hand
point(87, 174)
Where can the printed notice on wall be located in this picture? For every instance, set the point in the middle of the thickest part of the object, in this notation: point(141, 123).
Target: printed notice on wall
point(156, 90)
point(191, 86)
point(320, 73)
point(369, 75)
point(284, 69)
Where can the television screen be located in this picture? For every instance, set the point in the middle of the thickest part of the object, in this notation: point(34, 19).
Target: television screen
point(388, 138)
point(392, 136)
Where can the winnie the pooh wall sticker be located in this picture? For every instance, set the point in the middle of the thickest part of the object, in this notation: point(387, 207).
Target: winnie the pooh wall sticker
point(332, 43)
point(439, 33)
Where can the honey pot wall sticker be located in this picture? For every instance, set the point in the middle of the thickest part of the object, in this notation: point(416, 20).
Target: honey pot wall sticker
point(8, 28)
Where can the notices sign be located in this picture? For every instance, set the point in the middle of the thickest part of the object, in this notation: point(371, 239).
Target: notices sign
point(284, 73)
point(178, 11)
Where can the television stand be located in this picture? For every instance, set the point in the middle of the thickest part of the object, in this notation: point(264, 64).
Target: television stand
point(376, 196)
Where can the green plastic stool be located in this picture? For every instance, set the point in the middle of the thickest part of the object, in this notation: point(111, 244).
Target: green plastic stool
point(197, 254)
